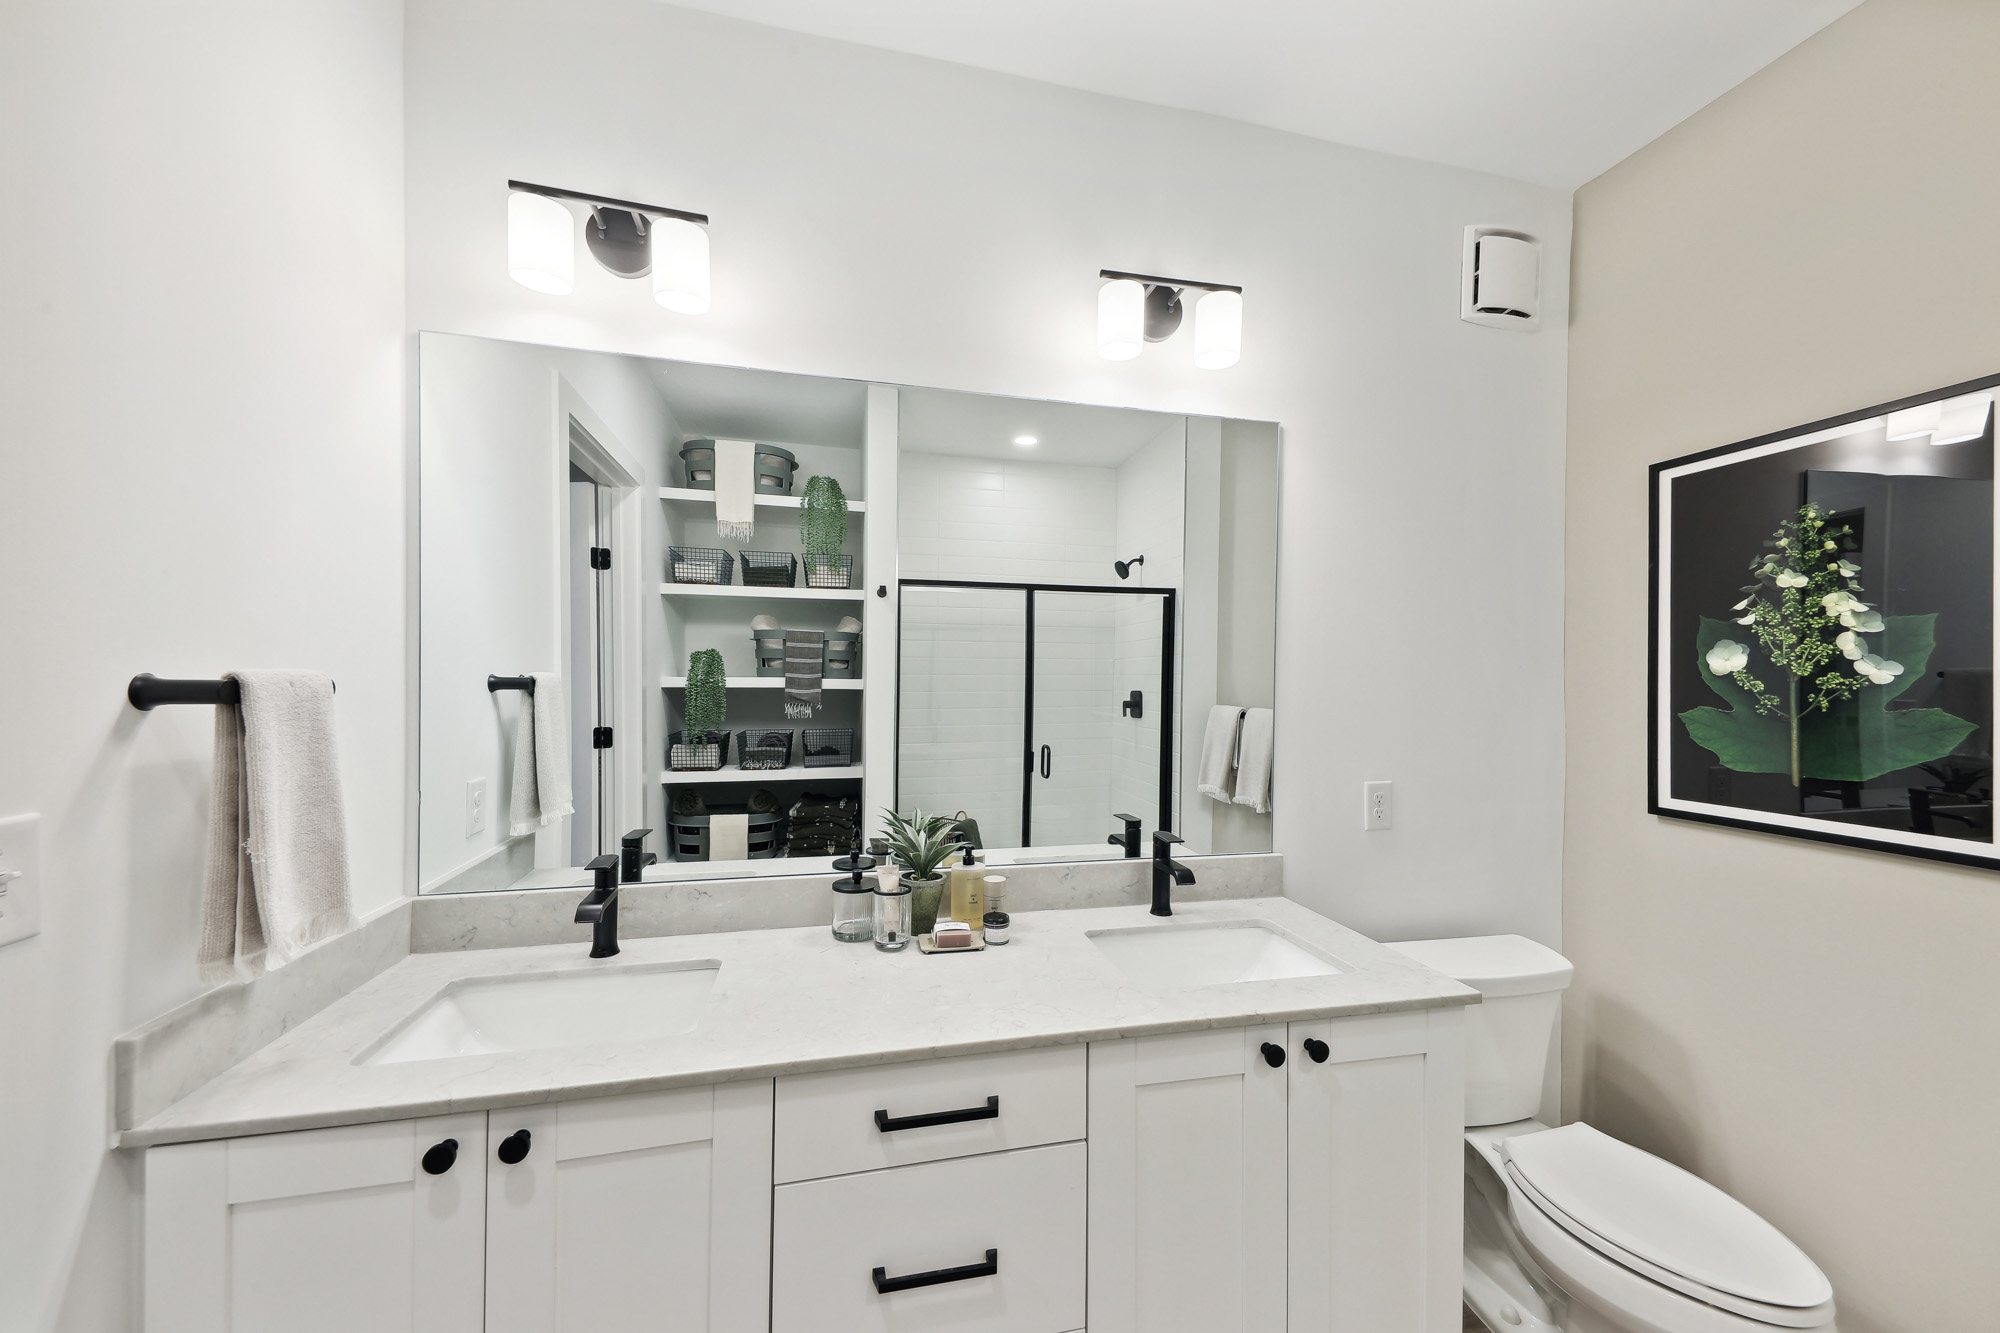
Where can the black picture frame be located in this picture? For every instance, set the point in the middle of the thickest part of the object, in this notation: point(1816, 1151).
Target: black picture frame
point(1669, 638)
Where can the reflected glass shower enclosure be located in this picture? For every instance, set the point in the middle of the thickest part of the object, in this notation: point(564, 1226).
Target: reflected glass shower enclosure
point(1041, 710)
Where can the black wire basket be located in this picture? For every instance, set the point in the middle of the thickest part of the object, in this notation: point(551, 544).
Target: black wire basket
point(699, 564)
point(767, 747)
point(828, 747)
point(770, 569)
point(697, 752)
point(829, 571)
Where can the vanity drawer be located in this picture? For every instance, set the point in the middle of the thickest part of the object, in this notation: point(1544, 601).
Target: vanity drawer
point(849, 1120)
point(832, 1238)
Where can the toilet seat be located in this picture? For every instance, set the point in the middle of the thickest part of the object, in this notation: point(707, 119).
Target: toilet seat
point(1657, 1224)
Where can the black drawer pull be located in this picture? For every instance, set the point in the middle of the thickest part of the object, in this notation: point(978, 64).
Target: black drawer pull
point(885, 1284)
point(889, 1124)
point(439, 1157)
point(1274, 1054)
point(1318, 1050)
point(514, 1148)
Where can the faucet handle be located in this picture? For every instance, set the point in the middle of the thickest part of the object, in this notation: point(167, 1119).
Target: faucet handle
point(636, 838)
point(605, 868)
point(631, 858)
point(1161, 837)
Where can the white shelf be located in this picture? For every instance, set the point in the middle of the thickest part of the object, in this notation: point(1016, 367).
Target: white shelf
point(795, 773)
point(759, 683)
point(683, 495)
point(791, 594)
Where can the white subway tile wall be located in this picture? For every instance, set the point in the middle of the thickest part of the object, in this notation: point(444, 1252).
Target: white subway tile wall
point(963, 706)
point(1025, 522)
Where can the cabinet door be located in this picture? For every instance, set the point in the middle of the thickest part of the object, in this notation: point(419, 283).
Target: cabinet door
point(321, 1231)
point(626, 1213)
point(1187, 1184)
point(1377, 1193)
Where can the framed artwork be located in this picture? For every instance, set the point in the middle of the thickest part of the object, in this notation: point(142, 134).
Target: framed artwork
point(1823, 633)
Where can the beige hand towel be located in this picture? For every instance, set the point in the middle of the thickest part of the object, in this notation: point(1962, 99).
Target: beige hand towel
point(541, 793)
point(1253, 760)
point(1218, 752)
point(735, 490)
point(729, 837)
point(277, 831)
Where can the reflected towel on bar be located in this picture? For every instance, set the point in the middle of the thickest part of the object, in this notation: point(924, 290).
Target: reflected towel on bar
point(805, 656)
point(735, 490)
point(277, 833)
point(1253, 760)
point(1218, 752)
point(541, 790)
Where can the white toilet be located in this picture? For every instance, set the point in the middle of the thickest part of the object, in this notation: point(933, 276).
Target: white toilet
point(1569, 1229)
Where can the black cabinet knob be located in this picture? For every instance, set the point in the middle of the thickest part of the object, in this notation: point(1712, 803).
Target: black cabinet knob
point(439, 1157)
point(514, 1148)
point(1274, 1054)
point(1318, 1050)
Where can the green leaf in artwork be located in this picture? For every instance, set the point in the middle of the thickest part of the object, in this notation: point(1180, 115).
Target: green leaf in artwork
point(1861, 738)
point(1740, 737)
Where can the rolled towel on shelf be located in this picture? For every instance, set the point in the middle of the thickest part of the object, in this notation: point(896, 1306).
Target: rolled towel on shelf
point(277, 880)
point(540, 794)
point(1253, 760)
point(1218, 752)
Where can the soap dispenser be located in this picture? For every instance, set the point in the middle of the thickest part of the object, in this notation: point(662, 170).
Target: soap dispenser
point(968, 892)
point(854, 898)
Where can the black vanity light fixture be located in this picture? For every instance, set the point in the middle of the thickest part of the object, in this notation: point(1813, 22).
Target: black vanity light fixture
point(628, 239)
point(1134, 309)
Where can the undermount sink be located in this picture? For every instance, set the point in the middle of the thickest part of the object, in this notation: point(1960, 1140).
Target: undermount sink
point(548, 1011)
point(1207, 954)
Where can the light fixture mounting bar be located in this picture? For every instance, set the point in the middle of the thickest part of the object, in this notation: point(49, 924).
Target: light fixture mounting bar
point(622, 205)
point(1151, 281)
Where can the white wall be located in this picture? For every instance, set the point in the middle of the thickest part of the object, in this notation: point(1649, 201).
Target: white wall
point(888, 218)
point(1152, 521)
point(1004, 518)
point(204, 468)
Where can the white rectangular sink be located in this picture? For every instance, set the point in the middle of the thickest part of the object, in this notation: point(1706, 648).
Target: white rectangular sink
point(1207, 954)
point(549, 1011)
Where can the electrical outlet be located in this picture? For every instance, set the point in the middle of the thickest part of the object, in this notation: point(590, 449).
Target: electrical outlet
point(20, 877)
point(475, 806)
point(1378, 806)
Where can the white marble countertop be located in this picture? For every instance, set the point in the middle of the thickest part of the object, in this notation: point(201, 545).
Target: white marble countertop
point(784, 1002)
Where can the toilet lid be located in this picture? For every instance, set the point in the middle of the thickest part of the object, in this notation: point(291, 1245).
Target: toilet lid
point(1662, 1215)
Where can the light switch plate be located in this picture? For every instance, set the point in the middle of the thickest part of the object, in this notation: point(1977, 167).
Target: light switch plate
point(475, 806)
point(20, 877)
point(1378, 806)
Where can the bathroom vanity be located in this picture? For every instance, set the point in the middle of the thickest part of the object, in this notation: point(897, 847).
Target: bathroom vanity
point(1245, 1117)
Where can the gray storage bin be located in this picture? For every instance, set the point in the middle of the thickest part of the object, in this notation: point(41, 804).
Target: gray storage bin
point(769, 645)
point(687, 835)
point(843, 656)
point(775, 467)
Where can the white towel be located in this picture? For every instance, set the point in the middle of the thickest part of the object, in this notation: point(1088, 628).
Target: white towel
point(1253, 760)
point(729, 837)
point(277, 827)
point(735, 490)
point(1218, 751)
point(541, 790)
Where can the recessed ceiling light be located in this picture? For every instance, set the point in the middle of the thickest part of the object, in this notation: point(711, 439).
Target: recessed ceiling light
point(1026, 441)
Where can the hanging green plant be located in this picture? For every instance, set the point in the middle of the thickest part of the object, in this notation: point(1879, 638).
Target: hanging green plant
point(707, 692)
point(823, 518)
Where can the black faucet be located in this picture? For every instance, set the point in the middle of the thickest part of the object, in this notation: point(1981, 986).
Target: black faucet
point(1167, 872)
point(630, 859)
point(599, 909)
point(1129, 839)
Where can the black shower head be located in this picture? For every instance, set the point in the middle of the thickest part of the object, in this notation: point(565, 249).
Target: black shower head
point(1124, 567)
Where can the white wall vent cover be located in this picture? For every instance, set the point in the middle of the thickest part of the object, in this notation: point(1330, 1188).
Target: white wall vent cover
point(1500, 280)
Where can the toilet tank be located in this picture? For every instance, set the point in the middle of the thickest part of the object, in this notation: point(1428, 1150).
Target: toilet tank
point(1507, 1034)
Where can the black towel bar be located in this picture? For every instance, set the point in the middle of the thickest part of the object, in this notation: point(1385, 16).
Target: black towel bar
point(147, 692)
point(495, 684)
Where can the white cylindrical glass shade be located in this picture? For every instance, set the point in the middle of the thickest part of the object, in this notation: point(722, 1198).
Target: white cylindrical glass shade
point(1121, 319)
point(1963, 419)
point(680, 265)
point(541, 243)
point(1912, 422)
point(1218, 330)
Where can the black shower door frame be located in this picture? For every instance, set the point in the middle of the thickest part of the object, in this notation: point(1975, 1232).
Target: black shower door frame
point(1169, 665)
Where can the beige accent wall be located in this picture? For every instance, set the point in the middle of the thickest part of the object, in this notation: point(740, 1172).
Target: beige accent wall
point(1816, 1030)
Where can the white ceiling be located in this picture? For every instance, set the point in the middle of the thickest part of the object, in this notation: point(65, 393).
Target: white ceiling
point(727, 403)
point(1550, 91)
point(977, 425)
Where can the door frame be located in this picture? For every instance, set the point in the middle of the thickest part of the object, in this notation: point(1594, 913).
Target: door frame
point(1169, 672)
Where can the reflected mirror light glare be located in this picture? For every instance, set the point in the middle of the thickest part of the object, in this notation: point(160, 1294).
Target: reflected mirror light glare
point(541, 244)
point(1121, 319)
point(1026, 441)
point(680, 265)
point(1912, 422)
point(1963, 419)
point(1218, 330)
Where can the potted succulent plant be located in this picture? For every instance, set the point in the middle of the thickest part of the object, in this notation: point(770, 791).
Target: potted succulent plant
point(823, 533)
point(921, 844)
point(706, 708)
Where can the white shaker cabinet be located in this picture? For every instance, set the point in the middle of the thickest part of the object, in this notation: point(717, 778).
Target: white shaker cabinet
point(1278, 1179)
point(379, 1227)
point(1187, 1183)
point(650, 1211)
